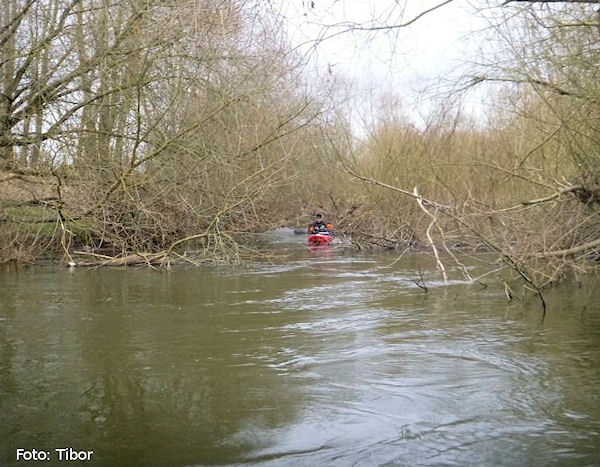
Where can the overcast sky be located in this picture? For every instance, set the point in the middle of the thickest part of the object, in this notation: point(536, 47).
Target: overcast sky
point(404, 61)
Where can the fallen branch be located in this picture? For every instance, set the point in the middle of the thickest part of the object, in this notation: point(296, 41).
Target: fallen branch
point(505, 256)
point(135, 259)
point(428, 233)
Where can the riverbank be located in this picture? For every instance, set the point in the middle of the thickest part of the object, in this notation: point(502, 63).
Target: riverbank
point(79, 222)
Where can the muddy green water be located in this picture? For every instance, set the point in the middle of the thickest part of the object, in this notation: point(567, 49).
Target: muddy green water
point(334, 358)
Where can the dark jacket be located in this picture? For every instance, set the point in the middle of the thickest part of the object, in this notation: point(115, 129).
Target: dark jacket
point(319, 226)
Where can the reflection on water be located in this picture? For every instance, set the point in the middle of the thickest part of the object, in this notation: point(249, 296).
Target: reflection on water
point(332, 359)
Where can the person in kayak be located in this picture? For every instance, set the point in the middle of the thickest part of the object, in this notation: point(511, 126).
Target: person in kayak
point(318, 226)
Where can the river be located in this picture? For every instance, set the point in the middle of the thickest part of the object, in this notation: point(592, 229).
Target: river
point(332, 357)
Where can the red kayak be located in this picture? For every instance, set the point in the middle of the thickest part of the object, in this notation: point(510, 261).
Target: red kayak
point(320, 238)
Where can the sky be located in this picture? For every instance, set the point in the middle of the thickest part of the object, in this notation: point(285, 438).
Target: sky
point(411, 64)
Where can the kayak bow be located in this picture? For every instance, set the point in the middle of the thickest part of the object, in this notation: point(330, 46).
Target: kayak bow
point(320, 238)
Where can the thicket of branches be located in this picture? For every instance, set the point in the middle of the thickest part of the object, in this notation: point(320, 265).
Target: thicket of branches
point(525, 183)
point(139, 126)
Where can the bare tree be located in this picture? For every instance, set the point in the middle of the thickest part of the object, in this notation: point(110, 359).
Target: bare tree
point(155, 125)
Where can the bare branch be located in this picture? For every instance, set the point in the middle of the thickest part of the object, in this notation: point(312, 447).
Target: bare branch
point(571, 251)
point(553, 196)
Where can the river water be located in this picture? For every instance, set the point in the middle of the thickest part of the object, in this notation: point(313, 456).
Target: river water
point(332, 357)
